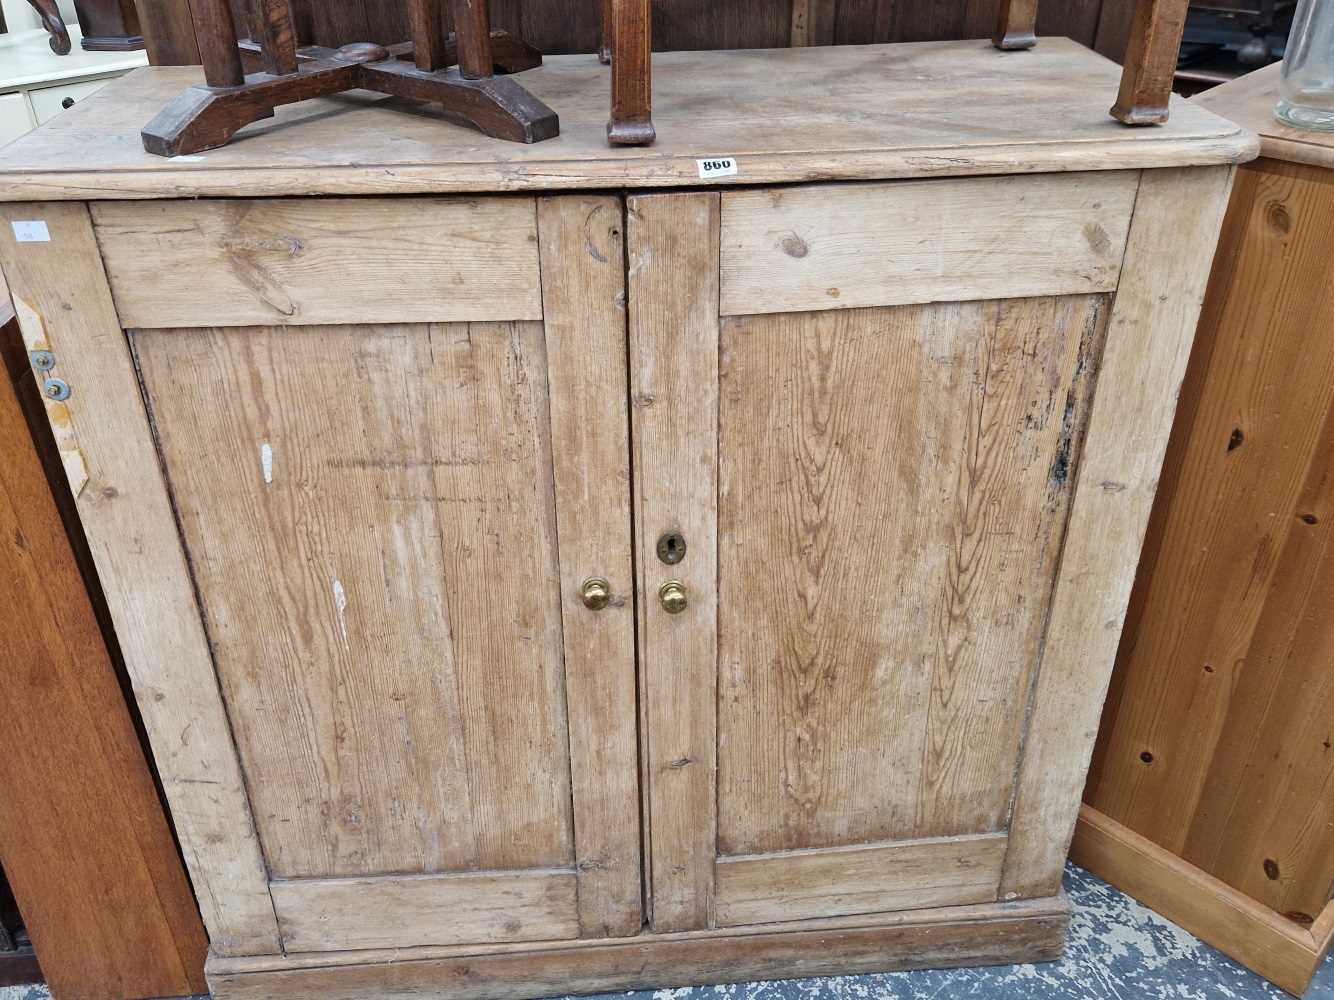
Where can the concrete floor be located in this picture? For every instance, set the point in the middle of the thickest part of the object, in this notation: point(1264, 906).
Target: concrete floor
point(1118, 950)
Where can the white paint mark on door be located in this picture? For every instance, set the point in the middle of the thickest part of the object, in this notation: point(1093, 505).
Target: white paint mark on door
point(266, 461)
point(340, 606)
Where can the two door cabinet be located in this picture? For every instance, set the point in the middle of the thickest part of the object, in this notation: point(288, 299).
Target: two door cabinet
point(543, 570)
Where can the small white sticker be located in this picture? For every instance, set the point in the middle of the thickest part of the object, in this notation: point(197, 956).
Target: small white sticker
point(717, 166)
point(32, 232)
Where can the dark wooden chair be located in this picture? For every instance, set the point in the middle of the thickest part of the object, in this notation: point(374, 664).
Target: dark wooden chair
point(455, 69)
point(1146, 81)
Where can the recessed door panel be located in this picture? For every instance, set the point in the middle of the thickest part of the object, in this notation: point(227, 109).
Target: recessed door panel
point(893, 486)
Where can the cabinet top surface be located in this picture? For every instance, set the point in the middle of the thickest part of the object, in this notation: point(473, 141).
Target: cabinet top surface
point(1249, 100)
point(786, 115)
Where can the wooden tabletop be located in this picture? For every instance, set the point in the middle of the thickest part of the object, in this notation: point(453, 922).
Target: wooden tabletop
point(837, 112)
point(1249, 101)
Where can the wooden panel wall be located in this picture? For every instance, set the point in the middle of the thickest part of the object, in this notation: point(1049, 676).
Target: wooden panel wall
point(557, 26)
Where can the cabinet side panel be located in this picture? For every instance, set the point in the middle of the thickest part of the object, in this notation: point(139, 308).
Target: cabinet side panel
point(583, 293)
point(369, 512)
point(673, 244)
point(1172, 237)
point(64, 305)
point(1223, 668)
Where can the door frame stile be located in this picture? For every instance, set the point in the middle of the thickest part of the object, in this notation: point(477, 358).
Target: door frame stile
point(581, 262)
point(674, 245)
point(1148, 341)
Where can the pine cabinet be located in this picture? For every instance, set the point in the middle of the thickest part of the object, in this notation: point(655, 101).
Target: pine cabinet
point(546, 572)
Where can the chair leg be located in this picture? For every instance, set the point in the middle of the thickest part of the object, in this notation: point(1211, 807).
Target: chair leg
point(1016, 27)
point(276, 36)
point(631, 75)
point(1151, 62)
point(472, 31)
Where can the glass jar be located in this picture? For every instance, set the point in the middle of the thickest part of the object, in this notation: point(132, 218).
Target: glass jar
point(1306, 84)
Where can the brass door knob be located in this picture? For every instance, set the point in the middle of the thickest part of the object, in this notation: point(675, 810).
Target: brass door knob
point(595, 592)
point(672, 597)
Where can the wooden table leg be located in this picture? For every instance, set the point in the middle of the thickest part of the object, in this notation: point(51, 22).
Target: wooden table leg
point(631, 74)
point(604, 47)
point(276, 36)
point(1151, 62)
point(472, 32)
point(216, 33)
point(428, 38)
point(1017, 26)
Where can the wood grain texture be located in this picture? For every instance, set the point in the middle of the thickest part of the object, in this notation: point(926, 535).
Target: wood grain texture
point(84, 841)
point(894, 487)
point(583, 294)
point(1112, 32)
point(1213, 743)
point(795, 885)
point(923, 110)
point(563, 26)
point(272, 22)
point(216, 33)
point(169, 32)
point(673, 326)
point(809, 247)
point(347, 480)
point(1172, 237)
point(936, 938)
point(813, 22)
point(64, 300)
point(388, 912)
point(1277, 948)
point(631, 121)
point(327, 261)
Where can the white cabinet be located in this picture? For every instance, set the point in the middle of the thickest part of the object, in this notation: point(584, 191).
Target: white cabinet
point(36, 84)
point(47, 102)
point(15, 117)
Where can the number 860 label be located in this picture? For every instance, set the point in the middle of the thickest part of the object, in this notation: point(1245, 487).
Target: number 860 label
point(717, 166)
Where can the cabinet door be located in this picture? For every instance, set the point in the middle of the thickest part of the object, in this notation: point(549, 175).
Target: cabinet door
point(394, 437)
point(859, 410)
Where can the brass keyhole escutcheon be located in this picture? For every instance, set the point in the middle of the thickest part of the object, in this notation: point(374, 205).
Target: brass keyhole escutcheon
point(595, 592)
point(671, 547)
point(672, 597)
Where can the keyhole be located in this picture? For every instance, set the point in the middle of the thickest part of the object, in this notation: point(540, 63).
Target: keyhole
point(671, 547)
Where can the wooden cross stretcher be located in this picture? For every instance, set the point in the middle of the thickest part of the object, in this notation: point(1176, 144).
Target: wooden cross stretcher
point(458, 71)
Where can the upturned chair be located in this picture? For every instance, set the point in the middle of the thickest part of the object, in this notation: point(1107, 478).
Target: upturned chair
point(1146, 81)
point(457, 70)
